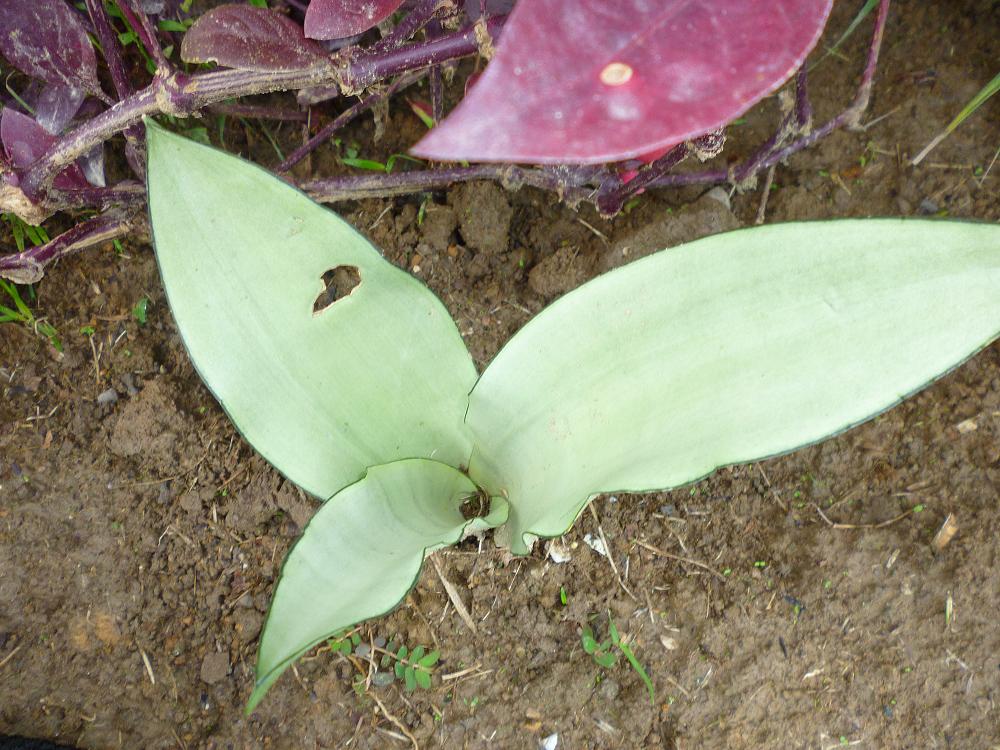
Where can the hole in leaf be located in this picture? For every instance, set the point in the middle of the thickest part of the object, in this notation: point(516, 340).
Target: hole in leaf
point(337, 283)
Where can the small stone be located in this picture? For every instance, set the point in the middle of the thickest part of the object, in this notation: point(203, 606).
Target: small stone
point(108, 397)
point(927, 207)
point(214, 667)
point(609, 689)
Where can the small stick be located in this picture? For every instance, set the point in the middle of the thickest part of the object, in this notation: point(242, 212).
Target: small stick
point(10, 656)
point(880, 525)
point(149, 667)
point(610, 555)
point(946, 533)
point(678, 558)
point(400, 725)
point(765, 194)
point(455, 598)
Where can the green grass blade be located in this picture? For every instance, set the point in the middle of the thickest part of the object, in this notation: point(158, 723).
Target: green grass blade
point(975, 103)
point(731, 349)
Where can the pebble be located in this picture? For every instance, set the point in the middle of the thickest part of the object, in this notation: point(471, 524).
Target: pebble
point(108, 397)
point(214, 667)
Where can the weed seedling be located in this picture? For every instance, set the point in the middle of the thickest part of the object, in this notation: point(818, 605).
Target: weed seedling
point(604, 656)
point(21, 313)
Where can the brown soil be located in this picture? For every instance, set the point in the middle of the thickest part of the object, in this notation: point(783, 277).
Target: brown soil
point(140, 538)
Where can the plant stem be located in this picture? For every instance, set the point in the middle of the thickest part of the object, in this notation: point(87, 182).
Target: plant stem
point(181, 95)
point(345, 117)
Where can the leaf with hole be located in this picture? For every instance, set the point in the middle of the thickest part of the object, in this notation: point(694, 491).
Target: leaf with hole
point(730, 349)
point(633, 77)
point(317, 399)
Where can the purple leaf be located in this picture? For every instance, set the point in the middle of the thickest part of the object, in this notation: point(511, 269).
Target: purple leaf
point(335, 19)
point(56, 106)
point(251, 38)
point(46, 39)
point(590, 81)
point(92, 166)
point(25, 141)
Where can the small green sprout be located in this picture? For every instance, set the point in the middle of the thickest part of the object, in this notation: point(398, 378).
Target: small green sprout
point(412, 668)
point(563, 598)
point(603, 655)
point(139, 311)
point(21, 313)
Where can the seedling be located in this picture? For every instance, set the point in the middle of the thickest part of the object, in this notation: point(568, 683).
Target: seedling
point(21, 313)
point(411, 667)
point(617, 96)
point(605, 657)
point(732, 349)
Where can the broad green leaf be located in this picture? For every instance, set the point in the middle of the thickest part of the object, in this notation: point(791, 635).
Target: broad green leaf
point(431, 659)
point(730, 349)
point(380, 375)
point(417, 654)
point(358, 557)
point(410, 679)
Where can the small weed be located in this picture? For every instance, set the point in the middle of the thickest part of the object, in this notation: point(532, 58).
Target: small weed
point(604, 656)
point(21, 313)
point(139, 311)
point(411, 667)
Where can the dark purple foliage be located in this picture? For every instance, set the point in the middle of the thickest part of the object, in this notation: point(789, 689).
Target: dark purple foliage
point(578, 86)
point(57, 105)
point(24, 141)
point(46, 39)
point(624, 78)
point(335, 19)
point(250, 38)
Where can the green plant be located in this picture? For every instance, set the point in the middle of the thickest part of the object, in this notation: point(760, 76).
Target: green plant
point(350, 377)
point(412, 667)
point(21, 313)
point(603, 655)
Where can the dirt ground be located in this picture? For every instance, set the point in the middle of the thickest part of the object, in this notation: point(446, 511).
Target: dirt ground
point(795, 603)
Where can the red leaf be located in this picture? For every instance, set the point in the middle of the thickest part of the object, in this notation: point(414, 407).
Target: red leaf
point(250, 38)
point(335, 19)
point(25, 141)
point(46, 39)
point(591, 81)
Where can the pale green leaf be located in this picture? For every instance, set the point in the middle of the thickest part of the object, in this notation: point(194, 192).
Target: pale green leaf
point(730, 349)
point(358, 557)
point(380, 375)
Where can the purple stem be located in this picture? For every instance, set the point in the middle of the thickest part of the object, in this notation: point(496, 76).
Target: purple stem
point(345, 117)
point(110, 46)
point(849, 118)
point(511, 176)
point(141, 25)
point(367, 70)
point(181, 95)
point(413, 22)
point(803, 107)
point(613, 193)
point(27, 267)
point(260, 112)
point(434, 29)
